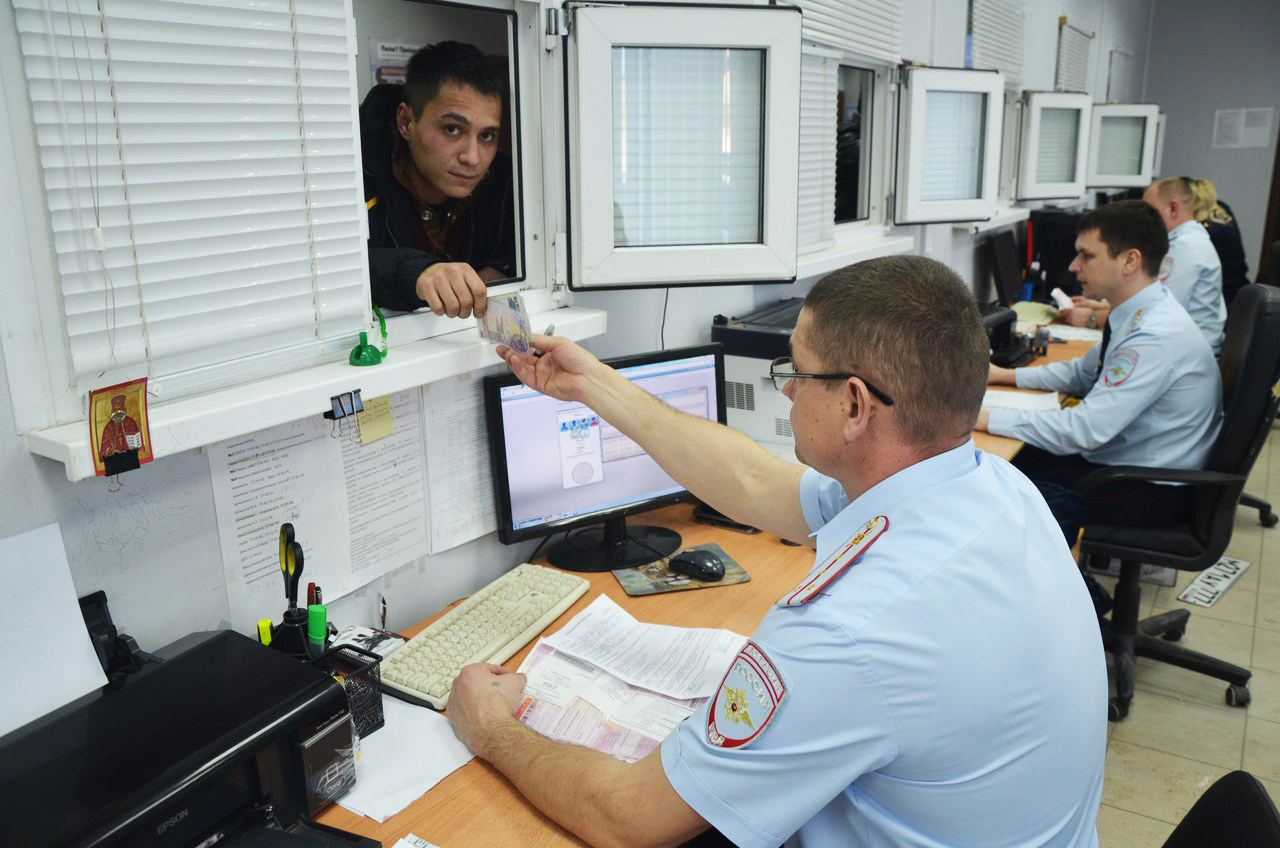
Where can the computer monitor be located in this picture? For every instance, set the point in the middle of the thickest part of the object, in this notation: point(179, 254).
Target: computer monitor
point(557, 466)
point(1002, 249)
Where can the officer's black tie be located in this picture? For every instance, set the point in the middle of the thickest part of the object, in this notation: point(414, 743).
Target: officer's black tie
point(1102, 352)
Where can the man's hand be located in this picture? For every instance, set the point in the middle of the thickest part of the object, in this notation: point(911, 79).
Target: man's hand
point(1076, 316)
point(484, 696)
point(983, 415)
point(1080, 300)
point(453, 289)
point(561, 369)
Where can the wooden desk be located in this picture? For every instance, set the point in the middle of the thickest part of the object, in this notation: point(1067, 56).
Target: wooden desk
point(476, 806)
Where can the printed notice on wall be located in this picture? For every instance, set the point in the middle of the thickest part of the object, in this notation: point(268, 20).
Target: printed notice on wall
point(461, 490)
point(358, 511)
point(1242, 127)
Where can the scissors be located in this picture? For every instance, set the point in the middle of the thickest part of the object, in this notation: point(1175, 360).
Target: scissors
point(290, 563)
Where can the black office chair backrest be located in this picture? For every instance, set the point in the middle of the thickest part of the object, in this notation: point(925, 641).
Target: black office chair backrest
point(1235, 810)
point(1250, 366)
point(1273, 265)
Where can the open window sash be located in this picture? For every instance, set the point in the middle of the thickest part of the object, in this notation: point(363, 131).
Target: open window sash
point(949, 129)
point(1055, 134)
point(1122, 145)
point(692, 179)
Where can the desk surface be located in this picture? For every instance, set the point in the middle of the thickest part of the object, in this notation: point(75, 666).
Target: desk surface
point(476, 806)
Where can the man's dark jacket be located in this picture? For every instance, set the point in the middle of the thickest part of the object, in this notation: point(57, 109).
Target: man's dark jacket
point(483, 236)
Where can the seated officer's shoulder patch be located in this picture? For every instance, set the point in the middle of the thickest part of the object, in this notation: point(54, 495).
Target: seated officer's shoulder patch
point(746, 701)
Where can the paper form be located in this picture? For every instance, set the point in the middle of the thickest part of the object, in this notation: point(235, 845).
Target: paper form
point(460, 495)
point(1029, 401)
point(358, 511)
point(682, 662)
point(38, 607)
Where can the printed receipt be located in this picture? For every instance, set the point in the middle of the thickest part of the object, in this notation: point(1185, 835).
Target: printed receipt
point(680, 662)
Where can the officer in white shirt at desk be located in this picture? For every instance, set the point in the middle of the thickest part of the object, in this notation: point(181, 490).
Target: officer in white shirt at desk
point(1191, 269)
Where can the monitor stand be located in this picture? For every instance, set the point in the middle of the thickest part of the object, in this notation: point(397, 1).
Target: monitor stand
point(615, 545)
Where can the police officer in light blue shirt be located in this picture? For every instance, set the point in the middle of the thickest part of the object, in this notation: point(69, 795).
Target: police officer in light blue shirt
point(1151, 392)
point(1191, 269)
point(937, 678)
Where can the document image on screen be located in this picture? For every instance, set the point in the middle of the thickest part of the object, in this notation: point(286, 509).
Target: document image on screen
point(580, 460)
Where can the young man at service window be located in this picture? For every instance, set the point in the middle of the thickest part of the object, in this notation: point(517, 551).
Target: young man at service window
point(437, 186)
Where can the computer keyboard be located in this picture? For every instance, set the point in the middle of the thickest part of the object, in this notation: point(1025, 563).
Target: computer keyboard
point(490, 626)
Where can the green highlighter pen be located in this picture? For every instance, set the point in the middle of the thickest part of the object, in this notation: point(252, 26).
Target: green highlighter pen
point(317, 628)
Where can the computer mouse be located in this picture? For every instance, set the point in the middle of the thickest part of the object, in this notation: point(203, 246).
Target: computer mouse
point(698, 564)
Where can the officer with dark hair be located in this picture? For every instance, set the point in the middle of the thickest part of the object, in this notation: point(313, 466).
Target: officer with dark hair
point(438, 189)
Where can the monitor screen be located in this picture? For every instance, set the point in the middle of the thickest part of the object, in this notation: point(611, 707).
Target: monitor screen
point(557, 466)
point(1002, 249)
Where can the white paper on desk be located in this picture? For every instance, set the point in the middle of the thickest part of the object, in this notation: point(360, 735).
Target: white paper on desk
point(1028, 401)
point(1074, 334)
point(358, 511)
point(460, 493)
point(38, 607)
point(413, 751)
point(682, 662)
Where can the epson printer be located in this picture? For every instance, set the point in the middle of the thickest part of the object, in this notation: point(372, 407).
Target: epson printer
point(224, 743)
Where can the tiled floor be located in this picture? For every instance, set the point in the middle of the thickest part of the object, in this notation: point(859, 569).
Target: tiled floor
point(1180, 735)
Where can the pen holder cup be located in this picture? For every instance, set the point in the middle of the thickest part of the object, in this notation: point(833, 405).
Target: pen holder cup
point(359, 673)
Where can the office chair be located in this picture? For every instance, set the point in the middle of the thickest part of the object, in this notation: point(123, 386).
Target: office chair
point(1250, 365)
point(1272, 277)
point(1235, 810)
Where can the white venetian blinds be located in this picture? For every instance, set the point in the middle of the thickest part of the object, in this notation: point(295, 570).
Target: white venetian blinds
point(688, 126)
point(1120, 144)
point(200, 166)
point(996, 32)
point(953, 145)
point(816, 188)
point(869, 28)
point(1059, 140)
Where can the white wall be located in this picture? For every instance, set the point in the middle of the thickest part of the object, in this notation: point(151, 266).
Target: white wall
point(1218, 56)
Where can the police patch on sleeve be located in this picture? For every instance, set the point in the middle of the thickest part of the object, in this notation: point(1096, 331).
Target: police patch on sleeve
point(746, 701)
point(1120, 366)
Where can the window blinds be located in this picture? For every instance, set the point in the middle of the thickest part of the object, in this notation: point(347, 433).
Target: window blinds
point(688, 127)
point(817, 178)
point(1120, 142)
point(1072, 70)
point(869, 28)
point(996, 30)
point(953, 145)
point(1059, 144)
point(211, 142)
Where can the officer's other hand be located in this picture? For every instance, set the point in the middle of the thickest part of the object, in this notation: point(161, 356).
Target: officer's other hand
point(1076, 316)
point(483, 697)
point(453, 289)
point(1081, 300)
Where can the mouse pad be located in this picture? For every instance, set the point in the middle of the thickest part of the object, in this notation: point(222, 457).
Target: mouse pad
point(654, 578)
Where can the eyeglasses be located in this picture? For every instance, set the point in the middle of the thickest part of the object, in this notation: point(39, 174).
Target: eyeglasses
point(782, 370)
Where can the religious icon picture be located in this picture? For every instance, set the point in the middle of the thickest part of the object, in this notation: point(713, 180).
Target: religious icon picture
point(119, 434)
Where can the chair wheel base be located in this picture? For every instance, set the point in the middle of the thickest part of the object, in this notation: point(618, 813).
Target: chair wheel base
point(1268, 519)
point(1238, 696)
point(1118, 710)
point(1174, 634)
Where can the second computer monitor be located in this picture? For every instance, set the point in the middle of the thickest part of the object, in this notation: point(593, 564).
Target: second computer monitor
point(1002, 250)
point(557, 466)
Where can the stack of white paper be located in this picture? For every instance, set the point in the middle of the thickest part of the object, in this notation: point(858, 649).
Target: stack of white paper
point(1029, 401)
point(610, 683)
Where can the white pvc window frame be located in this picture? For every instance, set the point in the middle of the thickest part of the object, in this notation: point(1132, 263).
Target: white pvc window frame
point(910, 206)
point(1031, 186)
point(1098, 178)
point(596, 261)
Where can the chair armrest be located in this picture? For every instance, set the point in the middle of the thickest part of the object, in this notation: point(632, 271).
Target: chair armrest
point(1118, 473)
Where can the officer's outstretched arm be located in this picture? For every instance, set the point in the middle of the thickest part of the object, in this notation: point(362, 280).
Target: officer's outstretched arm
point(723, 467)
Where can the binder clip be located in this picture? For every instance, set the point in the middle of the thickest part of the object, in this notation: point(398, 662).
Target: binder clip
point(345, 405)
